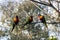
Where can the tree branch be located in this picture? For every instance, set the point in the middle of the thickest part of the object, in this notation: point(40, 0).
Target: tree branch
point(44, 3)
point(47, 4)
point(54, 7)
point(41, 9)
point(46, 22)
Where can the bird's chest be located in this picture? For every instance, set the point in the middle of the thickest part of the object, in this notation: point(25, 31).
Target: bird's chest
point(30, 20)
point(15, 20)
point(40, 17)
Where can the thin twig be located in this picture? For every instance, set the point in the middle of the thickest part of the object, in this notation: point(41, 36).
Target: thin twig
point(25, 13)
point(47, 4)
point(53, 7)
point(46, 22)
point(41, 9)
point(44, 3)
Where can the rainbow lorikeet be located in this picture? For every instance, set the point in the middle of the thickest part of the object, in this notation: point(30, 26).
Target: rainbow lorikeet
point(28, 20)
point(15, 21)
point(42, 19)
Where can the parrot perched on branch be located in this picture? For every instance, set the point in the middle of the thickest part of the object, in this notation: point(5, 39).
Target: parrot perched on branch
point(42, 19)
point(15, 21)
point(28, 20)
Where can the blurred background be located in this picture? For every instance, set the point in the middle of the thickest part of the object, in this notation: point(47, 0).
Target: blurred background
point(50, 9)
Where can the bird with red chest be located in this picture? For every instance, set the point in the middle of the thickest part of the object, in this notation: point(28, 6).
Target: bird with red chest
point(16, 21)
point(42, 19)
point(28, 20)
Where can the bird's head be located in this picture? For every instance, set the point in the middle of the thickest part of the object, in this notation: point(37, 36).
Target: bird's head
point(16, 16)
point(31, 16)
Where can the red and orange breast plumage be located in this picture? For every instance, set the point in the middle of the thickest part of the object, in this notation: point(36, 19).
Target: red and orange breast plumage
point(40, 17)
point(15, 19)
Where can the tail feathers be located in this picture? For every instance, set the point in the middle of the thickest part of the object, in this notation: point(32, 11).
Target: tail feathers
point(13, 28)
point(46, 25)
point(24, 25)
